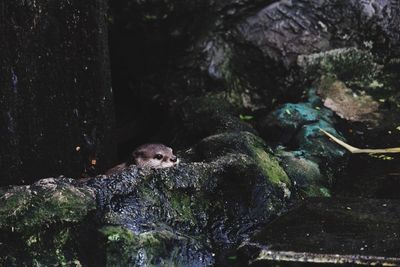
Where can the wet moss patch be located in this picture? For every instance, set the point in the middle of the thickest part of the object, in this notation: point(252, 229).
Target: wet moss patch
point(123, 247)
point(25, 209)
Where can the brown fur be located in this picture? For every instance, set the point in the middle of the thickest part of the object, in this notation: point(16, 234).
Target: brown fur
point(149, 156)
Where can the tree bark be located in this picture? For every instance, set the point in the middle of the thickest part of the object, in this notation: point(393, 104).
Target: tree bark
point(56, 111)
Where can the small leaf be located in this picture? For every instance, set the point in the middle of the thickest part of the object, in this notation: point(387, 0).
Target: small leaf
point(325, 192)
point(245, 117)
point(376, 84)
point(232, 258)
point(114, 237)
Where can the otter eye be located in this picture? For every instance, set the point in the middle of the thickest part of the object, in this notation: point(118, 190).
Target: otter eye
point(158, 156)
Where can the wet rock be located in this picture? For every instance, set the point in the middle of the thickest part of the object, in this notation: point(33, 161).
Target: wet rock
point(330, 230)
point(317, 145)
point(180, 215)
point(61, 200)
point(269, 41)
point(357, 68)
point(124, 247)
point(228, 184)
point(358, 89)
point(284, 123)
point(286, 29)
point(304, 174)
point(306, 154)
point(42, 223)
point(346, 78)
point(247, 62)
point(243, 143)
point(154, 217)
point(246, 51)
point(210, 205)
point(297, 126)
point(227, 61)
point(353, 98)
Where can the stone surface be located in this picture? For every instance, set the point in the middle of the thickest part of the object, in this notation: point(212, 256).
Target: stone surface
point(209, 204)
point(43, 223)
point(192, 214)
point(330, 230)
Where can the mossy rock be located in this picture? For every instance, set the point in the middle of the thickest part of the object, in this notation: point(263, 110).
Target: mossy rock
point(244, 143)
point(40, 224)
point(355, 67)
point(123, 247)
point(26, 209)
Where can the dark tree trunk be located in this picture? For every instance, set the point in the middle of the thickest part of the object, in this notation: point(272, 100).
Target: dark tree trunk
point(56, 112)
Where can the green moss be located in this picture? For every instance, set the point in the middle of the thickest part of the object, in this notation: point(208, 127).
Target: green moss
point(125, 248)
point(12, 204)
point(69, 204)
point(181, 204)
point(118, 234)
point(149, 195)
point(359, 70)
point(121, 245)
point(325, 192)
point(44, 217)
point(62, 237)
point(26, 209)
point(52, 247)
point(353, 66)
point(272, 170)
point(316, 191)
point(32, 240)
point(265, 161)
point(236, 143)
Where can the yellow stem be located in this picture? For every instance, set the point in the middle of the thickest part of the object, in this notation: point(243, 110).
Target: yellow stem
point(355, 150)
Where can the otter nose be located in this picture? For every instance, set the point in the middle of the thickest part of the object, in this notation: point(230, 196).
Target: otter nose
point(174, 158)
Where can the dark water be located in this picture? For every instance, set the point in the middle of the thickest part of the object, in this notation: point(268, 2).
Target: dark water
point(371, 176)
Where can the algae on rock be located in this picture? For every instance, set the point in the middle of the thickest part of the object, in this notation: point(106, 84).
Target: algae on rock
point(41, 224)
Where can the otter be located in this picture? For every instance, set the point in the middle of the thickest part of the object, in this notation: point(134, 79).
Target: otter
point(149, 156)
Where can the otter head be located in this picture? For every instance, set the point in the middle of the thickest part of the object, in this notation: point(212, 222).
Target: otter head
point(154, 156)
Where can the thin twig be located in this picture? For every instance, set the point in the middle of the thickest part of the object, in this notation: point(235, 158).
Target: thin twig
point(355, 150)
